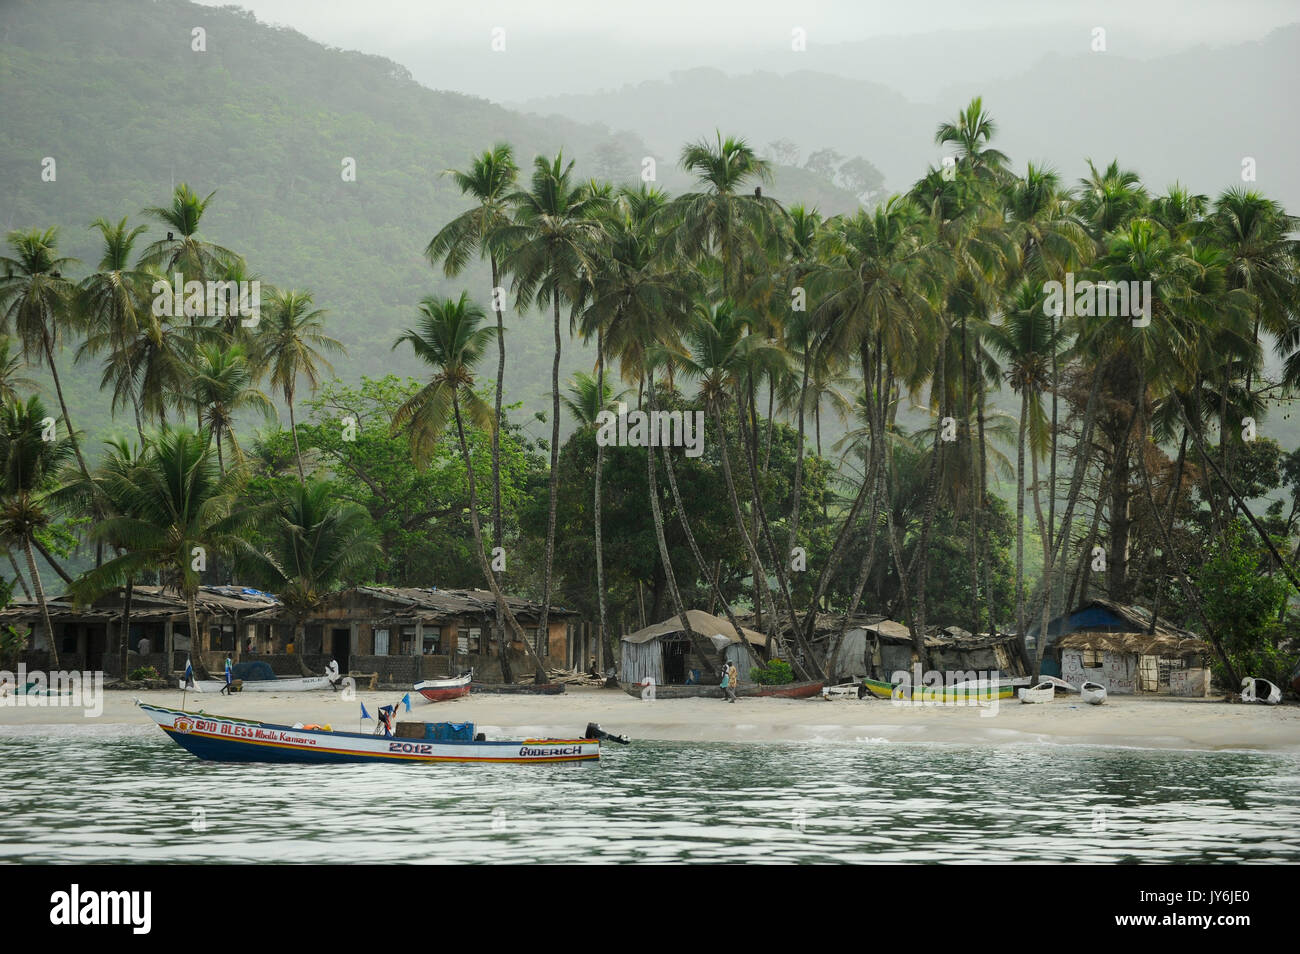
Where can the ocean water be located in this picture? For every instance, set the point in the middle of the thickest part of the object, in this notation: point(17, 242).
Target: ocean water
point(128, 794)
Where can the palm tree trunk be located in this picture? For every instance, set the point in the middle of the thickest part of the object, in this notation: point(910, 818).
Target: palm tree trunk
point(22, 580)
point(63, 405)
point(124, 637)
point(503, 610)
point(703, 649)
point(197, 639)
point(922, 555)
point(695, 548)
point(498, 527)
point(986, 565)
point(1020, 524)
point(760, 578)
point(972, 545)
point(808, 665)
point(596, 509)
point(554, 476)
point(798, 454)
point(293, 426)
point(40, 598)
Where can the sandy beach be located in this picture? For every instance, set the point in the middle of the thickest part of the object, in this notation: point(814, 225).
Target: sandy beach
point(1148, 722)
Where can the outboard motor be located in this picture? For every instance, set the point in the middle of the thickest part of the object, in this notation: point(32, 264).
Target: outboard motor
point(594, 731)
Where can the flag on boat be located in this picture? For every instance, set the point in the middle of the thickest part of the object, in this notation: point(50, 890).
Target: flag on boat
point(364, 713)
point(386, 714)
point(189, 674)
point(406, 700)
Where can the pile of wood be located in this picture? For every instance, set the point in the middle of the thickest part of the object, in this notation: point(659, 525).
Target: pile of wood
point(571, 677)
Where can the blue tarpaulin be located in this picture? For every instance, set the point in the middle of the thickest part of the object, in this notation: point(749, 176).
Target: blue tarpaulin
point(449, 731)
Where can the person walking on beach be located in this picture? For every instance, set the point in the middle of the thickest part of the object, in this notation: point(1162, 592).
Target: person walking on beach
point(230, 676)
point(729, 677)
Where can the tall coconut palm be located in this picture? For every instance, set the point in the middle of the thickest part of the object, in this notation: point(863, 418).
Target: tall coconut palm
point(221, 385)
point(28, 472)
point(291, 344)
point(556, 225)
point(183, 249)
point(1027, 340)
point(728, 217)
point(970, 134)
point(481, 231)
point(35, 302)
point(111, 302)
point(449, 338)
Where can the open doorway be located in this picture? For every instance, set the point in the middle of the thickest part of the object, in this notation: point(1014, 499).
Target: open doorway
point(341, 646)
point(675, 652)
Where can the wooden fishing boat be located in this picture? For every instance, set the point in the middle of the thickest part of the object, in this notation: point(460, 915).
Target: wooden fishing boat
point(1043, 692)
point(1260, 690)
point(960, 692)
point(225, 739)
point(302, 684)
point(440, 690)
point(791, 690)
point(514, 688)
point(1093, 693)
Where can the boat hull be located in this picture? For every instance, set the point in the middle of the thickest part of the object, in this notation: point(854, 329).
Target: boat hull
point(306, 684)
point(886, 690)
point(224, 739)
point(794, 690)
point(442, 690)
point(510, 689)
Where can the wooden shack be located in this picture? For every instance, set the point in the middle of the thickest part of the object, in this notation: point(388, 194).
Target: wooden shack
point(666, 653)
point(1130, 663)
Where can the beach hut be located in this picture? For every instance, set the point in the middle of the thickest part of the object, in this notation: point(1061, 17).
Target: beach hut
point(665, 653)
point(1129, 663)
point(1099, 616)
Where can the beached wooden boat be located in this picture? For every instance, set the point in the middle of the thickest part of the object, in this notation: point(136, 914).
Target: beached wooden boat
point(517, 688)
point(1043, 692)
point(1260, 690)
point(791, 690)
point(303, 684)
point(961, 692)
point(225, 739)
point(1093, 693)
point(440, 690)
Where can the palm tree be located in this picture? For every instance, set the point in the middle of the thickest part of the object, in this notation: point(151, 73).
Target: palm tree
point(35, 302)
point(313, 545)
point(449, 338)
point(723, 219)
point(28, 468)
point(1028, 340)
point(221, 385)
point(111, 302)
point(183, 249)
point(480, 230)
point(175, 510)
point(290, 343)
point(11, 372)
point(971, 134)
point(585, 399)
point(557, 224)
point(103, 491)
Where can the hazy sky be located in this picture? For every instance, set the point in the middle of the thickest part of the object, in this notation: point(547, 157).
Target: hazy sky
point(587, 44)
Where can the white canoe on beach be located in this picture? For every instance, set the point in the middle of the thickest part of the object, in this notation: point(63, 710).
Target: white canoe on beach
point(1093, 693)
point(1043, 692)
point(1260, 690)
point(302, 684)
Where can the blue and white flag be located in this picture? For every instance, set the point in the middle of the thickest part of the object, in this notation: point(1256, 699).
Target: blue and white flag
point(406, 700)
point(364, 713)
point(189, 675)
